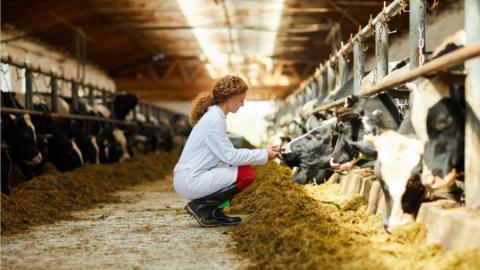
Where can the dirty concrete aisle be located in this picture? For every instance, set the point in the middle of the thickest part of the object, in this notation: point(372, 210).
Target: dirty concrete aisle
point(148, 230)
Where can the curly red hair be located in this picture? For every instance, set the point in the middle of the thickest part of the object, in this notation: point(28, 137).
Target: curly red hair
point(224, 88)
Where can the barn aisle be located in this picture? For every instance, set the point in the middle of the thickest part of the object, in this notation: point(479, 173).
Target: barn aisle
point(148, 229)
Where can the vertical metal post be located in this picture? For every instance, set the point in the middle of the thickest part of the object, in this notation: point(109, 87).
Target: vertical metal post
point(381, 51)
point(358, 64)
point(322, 86)
point(28, 89)
point(330, 79)
point(314, 86)
point(74, 96)
point(112, 106)
point(472, 98)
point(343, 70)
point(54, 94)
point(418, 11)
point(91, 95)
point(104, 98)
point(134, 113)
point(147, 112)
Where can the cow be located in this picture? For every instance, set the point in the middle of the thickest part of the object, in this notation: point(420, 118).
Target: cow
point(19, 134)
point(427, 150)
point(311, 153)
point(357, 118)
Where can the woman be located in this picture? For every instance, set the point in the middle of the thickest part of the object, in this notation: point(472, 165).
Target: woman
point(210, 170)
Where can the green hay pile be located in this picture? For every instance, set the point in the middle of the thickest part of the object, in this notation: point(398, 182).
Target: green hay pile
point(52, 196)
point(313, 227)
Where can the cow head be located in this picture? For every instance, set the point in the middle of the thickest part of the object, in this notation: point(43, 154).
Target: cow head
point(444, 150)
point(19, 133)
point(359, 117)
point(398, 168)
point(313, 149)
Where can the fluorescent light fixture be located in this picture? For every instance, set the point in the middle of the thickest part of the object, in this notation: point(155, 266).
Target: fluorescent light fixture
point(248, 45)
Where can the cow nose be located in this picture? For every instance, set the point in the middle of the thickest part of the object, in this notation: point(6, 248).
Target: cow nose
point(35, 160)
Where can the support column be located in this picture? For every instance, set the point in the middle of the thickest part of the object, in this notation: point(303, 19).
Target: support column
point(28, 89)
point(472, 98)
point(418, 11)
point(381, 51)
point(358, 65)
point(54, 94)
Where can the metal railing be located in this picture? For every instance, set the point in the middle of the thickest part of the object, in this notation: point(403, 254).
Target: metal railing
point(325, 80)
point(93, 93)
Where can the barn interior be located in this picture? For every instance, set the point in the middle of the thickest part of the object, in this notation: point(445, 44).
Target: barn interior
point(167, 52)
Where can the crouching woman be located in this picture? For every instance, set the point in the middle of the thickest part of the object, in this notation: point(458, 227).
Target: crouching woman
point(210, 171)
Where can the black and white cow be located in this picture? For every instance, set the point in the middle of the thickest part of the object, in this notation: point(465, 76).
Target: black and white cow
point(444, 150)
point(311, 153)
point(19, 134)
point(427, 148)
point(359, 117)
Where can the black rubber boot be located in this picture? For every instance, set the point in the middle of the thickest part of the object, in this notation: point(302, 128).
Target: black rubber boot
point(224, 194)
point(202, 213)
point(205, 209)
point(218, 214)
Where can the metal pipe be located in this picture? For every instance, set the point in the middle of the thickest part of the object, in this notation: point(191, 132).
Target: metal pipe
point(54, 94)
point(8, 60)
point(330, 79)
point(343, 70)
point(28, 89)
point(418, 11)
point(358, 64)
point(76, 117)
point(91, 95)
point(75, 96)
point(472, 98)
point(322, 86)
point(444, 62)
point(381, 51)
point(388, 12)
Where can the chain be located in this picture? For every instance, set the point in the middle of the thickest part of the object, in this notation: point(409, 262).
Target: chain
point(19, 77)
point(421, 46)
point(45, 83)
point(403, 5)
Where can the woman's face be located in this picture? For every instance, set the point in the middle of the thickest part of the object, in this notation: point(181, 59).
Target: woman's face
point(235, 102)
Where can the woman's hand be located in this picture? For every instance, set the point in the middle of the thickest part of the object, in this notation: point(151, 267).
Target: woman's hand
point(273, 152)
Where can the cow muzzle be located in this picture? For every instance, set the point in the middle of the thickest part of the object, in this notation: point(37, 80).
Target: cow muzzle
point(435, 182)
point(35, 160)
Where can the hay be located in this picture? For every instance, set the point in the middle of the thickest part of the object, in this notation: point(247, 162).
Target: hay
point(295, 227)
point(52, 196)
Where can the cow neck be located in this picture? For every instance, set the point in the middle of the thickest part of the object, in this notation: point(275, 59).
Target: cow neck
point(391, 107)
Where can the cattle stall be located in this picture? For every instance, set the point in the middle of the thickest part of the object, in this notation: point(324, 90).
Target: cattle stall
point(136, 126)
point(314, 96)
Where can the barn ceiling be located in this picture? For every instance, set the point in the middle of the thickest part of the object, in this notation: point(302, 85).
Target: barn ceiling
point(173, 49)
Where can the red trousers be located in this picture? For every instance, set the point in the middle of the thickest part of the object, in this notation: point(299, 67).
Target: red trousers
point(245, 177)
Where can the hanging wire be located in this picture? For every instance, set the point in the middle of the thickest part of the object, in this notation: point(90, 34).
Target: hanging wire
point(46, 83)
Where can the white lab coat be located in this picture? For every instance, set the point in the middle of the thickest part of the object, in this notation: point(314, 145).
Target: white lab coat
point(209, 162)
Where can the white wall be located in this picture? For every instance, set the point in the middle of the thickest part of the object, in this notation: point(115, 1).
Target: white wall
point(47, 58)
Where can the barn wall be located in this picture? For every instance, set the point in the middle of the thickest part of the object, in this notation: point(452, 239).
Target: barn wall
point(441, 23)
point(182, 107)
point(47, 58)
